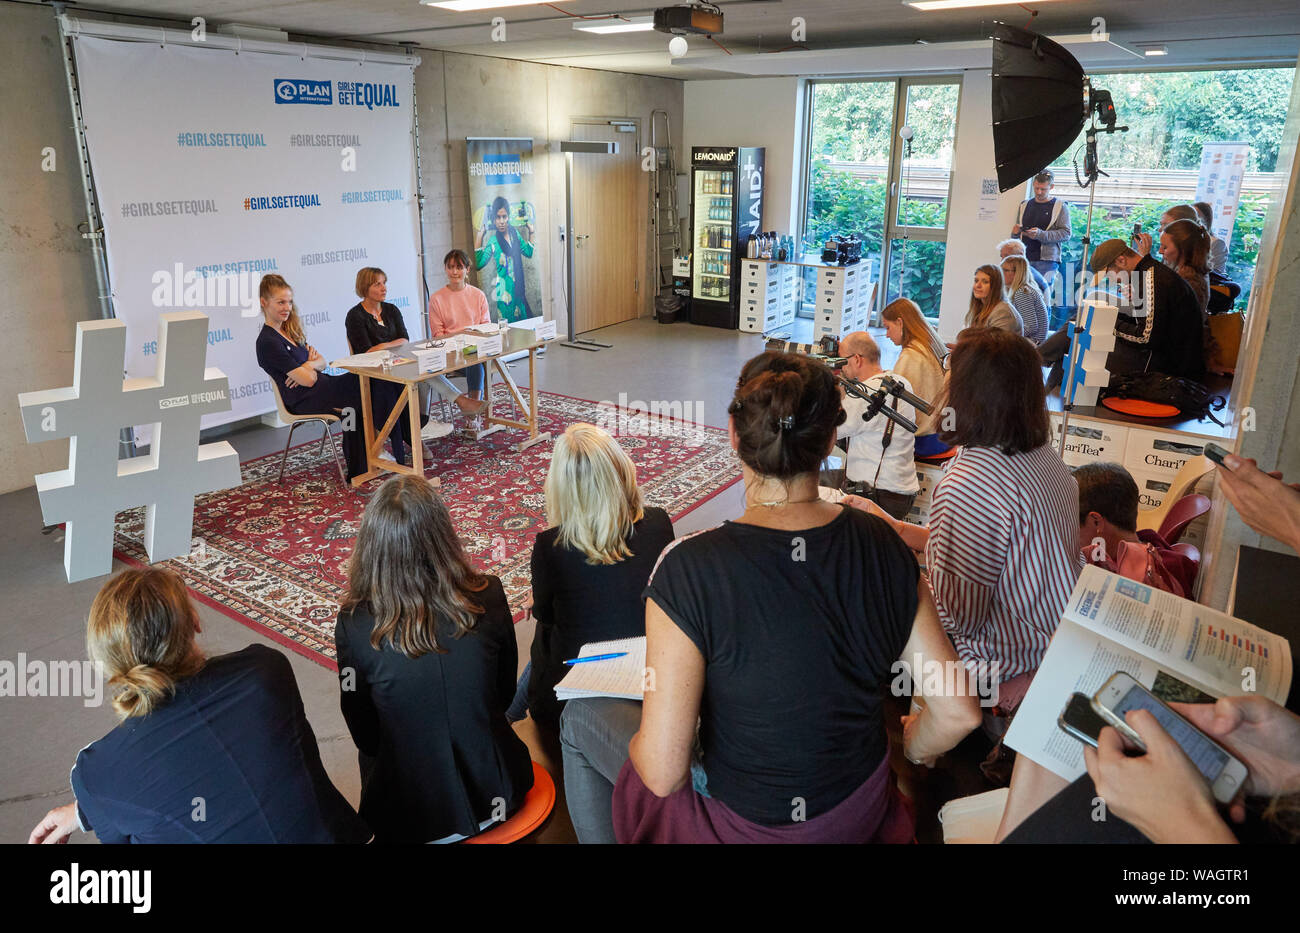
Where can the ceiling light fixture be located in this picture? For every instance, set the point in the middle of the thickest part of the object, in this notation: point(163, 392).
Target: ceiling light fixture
point(465, 6)
point(930, 5)
point(626, 24)
point(1152, 49)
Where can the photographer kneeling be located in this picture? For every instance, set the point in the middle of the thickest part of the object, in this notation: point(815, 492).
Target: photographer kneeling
point(880, 464)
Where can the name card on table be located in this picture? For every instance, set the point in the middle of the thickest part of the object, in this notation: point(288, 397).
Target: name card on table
point(546, 331)
point(489, 346)
point(433, 360)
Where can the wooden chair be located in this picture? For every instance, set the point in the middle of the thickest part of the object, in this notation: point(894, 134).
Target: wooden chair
point(325, 419)
point(538, 804)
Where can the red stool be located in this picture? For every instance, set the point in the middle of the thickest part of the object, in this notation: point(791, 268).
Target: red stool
point(538, 804)
point(937, 459)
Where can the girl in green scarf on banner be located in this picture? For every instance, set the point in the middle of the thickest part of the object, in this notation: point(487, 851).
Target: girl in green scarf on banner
point(507, 248)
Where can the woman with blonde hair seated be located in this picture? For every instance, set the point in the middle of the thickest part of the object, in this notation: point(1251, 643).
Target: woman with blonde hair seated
point(427, 662)
point(1026, 298)
point(592, 563)
point(208, 750)
point(920, 362)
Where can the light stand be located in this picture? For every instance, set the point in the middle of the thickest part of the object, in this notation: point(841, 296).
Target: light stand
point(569, 147)
point(906, 135)
point(1097, 103)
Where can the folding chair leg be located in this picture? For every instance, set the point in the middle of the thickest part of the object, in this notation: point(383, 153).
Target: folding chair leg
point(334, 448)
point(284, 456)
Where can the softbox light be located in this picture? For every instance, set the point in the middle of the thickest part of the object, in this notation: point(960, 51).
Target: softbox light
point(1039, 103)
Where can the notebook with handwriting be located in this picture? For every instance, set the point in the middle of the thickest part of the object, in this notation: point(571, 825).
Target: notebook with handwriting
point(618, 677)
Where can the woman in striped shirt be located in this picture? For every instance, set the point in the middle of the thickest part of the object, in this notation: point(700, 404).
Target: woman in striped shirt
point(1026, 298)
point(1002, 545)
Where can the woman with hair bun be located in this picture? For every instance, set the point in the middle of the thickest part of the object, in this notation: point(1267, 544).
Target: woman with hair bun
point(209, 749)
point(775, 633)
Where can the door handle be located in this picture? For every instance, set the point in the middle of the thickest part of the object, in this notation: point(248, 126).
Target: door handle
point(578, 238)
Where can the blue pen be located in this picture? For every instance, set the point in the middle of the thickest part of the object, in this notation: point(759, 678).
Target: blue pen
point(596, 657)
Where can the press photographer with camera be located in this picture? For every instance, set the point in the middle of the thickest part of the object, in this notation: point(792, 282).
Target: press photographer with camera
point(880, 463)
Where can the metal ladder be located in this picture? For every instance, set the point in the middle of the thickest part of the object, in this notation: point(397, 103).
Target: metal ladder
point(667, 227)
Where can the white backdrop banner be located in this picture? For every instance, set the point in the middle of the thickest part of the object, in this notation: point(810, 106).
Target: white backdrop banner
point(214, 168)
point(1223, 165)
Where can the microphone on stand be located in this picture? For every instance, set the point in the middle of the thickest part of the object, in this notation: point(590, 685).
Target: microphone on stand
point(875, 399)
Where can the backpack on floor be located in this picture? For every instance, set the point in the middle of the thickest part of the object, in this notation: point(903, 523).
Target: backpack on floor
point(1187, 395)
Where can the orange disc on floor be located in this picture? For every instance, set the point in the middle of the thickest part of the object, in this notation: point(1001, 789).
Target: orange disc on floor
point(1139, 408)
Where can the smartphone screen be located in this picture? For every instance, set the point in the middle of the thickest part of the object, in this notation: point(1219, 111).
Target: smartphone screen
point(1208, 757)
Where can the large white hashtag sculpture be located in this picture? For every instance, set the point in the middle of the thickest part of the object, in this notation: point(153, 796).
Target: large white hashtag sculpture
point(97, 484)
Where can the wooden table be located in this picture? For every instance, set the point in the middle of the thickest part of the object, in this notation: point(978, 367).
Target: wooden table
point(513, 340)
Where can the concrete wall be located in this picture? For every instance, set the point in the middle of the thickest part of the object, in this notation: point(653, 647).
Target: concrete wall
point(468, 95)
point(46, 265)
point(44, 262)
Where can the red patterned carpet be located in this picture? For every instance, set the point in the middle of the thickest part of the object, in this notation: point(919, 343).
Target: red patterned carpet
point(273, 556)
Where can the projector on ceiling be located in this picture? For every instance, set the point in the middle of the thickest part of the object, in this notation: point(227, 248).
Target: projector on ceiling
point(703, 20)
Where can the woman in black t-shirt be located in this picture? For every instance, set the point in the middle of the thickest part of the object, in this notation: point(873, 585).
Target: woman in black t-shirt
point(590, 566)
point(776, 633)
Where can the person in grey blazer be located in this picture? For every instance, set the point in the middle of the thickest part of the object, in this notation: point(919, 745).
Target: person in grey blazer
point(1043, 224)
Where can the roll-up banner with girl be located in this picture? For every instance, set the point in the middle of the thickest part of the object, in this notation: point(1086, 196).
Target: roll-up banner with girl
point(504, 220)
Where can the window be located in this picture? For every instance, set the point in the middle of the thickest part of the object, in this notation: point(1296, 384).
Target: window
point(862, 179)
point(1156, 164)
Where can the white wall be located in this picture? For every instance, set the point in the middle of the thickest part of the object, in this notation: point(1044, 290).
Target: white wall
point(765, 112)
point(971, 241)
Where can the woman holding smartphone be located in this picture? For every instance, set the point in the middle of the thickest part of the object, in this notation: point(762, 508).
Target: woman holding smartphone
point(506, 245)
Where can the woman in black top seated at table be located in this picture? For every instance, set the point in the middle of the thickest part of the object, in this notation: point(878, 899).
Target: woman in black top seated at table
point(283, 354)
point(209, 749)
point(771, 639)
point(374, 324)
point(590, 566)
point(427, 664)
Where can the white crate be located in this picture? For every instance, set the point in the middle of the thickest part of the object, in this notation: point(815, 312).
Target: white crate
point(1160, 453)
point(1152, 489)
point(1091, 441)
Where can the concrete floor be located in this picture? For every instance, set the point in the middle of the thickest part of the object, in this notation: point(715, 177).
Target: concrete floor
point(45, 615)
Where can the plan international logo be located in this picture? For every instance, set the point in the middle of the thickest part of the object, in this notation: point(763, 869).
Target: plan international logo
point(303, 91)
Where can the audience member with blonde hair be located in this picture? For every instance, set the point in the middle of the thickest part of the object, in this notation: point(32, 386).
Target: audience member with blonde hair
point(297, 371)
point(591, 564)
point(427, 661)
point(920, 362)
point(229, 731)
point(1218, 248)
point(1026, 298)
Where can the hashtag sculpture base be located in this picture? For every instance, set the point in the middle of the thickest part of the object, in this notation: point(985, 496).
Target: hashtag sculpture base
point(98, 484)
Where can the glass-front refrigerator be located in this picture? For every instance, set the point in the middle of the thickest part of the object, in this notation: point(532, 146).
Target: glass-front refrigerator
point(726, 210)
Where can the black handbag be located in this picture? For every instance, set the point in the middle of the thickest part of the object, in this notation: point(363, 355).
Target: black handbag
point(1187, 395)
